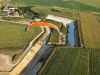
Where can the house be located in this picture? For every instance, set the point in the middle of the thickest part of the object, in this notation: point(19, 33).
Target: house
point(10, 11)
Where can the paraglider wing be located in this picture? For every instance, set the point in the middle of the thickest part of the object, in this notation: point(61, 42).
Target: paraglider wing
point(41, 24)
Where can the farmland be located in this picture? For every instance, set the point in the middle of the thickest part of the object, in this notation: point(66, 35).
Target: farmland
point(95, 3)
point(71, 4)
point(95, 60)
point(90, 28)
point(12, 36)
point(68, 61)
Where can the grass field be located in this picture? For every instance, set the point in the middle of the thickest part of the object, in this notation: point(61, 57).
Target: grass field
point(66, 61)
point(65, 4)
point(90, 30)
point(54, 32)
point(54, 38)
point(12, 36)
point(58, 24)
point(57, 11)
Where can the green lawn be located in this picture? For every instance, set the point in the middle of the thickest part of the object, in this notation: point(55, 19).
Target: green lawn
point(13, 37)
point(67, 61)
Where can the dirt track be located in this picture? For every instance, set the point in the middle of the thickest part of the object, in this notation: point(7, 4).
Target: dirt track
point(4, 66)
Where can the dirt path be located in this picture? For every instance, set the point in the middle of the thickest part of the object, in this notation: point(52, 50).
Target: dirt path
point(5, 66)
point(16, 22)
point(6, 57)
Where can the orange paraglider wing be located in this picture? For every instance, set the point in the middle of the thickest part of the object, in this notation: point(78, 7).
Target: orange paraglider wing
point(41, 24)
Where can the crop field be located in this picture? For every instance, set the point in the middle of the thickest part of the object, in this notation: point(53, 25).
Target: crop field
point(73, 62)
point(95, 3)
point(90, 30)
point(65, 4)
point(13, 37)
point(95, 61)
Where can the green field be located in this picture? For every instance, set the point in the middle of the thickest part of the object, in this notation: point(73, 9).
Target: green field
point(13, 37)
point(90, 30)
point(54, 37)
point(67, 61)
point(94, 65)
point(58, 24)
point(57, 11)
point(65, 4)
point(95, 3)
point(55, 33)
